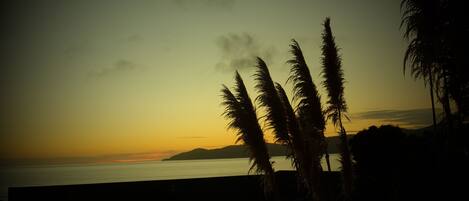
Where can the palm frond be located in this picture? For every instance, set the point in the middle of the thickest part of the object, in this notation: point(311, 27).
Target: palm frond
point(424, 24)
point(420, 22)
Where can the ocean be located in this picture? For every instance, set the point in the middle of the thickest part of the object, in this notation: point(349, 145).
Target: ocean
point(46, 175)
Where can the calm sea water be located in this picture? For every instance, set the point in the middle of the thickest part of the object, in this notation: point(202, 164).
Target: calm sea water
point(119, 172)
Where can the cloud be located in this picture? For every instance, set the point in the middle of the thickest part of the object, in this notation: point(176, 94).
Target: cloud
point(119, 66)
point(239, 51)
point(411, 118)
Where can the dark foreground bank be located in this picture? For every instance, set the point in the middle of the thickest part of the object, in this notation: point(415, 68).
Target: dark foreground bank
point(218, 188)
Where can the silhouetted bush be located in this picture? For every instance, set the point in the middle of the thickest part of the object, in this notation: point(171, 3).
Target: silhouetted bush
point(378, 157)
point(392, 165)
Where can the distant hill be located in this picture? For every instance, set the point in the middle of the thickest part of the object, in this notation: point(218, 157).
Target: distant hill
point(240, 151)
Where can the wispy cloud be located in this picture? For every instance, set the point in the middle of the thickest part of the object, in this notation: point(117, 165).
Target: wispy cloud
point(119, 66)
point(410, 118)
point(239, 51)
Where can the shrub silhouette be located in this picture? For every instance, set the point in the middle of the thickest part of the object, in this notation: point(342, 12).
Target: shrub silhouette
point(378, 154)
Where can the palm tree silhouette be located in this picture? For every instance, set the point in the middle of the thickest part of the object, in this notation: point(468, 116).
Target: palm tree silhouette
point(454, 29)
point(243, 118)
point(437, 34)
point(419, 19)
point(334, 83)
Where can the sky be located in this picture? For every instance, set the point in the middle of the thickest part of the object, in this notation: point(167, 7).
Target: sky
point(87, 78)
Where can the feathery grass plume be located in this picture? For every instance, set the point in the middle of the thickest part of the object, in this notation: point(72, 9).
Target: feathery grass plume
point(304, 88)
point(305, 93)
point(310, 112)
point(294, 130)
point(269, 100)
point(243, 118)
point(337, 108)
point(302, 158)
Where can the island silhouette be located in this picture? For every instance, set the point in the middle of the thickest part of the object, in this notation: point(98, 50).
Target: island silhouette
point(240, 151)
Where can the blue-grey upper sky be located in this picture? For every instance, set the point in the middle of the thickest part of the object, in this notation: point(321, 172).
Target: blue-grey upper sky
point(101, 77)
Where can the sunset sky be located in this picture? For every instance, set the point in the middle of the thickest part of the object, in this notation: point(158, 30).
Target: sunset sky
point(86, 79)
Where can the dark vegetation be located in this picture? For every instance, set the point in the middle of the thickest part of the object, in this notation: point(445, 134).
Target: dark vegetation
point(392, 165)
point(300, 127)
point(388, 164)
point(437, 31)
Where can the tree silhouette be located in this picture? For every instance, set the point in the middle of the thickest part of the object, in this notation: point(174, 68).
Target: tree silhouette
point(451, 32)
point(437, 33)
point(337, 108)
point(419, 19)
point(379, 154)
point(455, 30)
point(243, 118)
